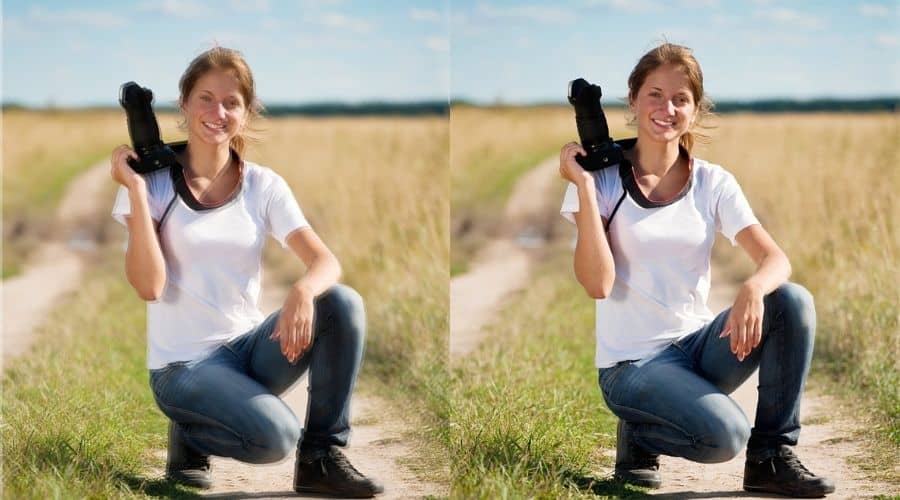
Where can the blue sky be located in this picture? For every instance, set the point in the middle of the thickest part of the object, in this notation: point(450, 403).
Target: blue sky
point(78, 53)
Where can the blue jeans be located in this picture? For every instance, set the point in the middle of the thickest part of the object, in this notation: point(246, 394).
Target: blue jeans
point(227, 403)
point(676, 402)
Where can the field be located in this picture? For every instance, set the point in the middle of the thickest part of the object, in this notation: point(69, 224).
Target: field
point(79, 420)
point(822, 184)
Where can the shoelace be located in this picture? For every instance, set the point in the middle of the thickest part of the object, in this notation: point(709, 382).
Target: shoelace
point(341, 461)
point(792, 461)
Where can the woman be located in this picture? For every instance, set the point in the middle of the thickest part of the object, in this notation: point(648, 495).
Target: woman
point(666, 364)
point(195, 237)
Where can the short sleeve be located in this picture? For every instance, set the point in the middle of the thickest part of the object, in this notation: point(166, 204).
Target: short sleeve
point(283, 215)
point(571, 204)
point(122, 205)
point(733, 212)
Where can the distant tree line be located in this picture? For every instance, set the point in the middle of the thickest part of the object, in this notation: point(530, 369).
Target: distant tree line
point(430, 108)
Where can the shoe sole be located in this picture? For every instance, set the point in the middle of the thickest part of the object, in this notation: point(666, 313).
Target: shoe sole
point(643, 483)
point(316, 491)
point(762, 489)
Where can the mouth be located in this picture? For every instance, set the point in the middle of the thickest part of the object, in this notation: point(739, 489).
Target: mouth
point(663, 123)
point(213, 126)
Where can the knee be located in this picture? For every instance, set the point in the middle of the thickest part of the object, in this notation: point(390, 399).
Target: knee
point(275, 439)
point(796, 303)
point(724, 439)
point(345, 305)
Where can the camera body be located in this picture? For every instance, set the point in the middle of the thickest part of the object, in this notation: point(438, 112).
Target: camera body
point(593, 131)
point(144, 130)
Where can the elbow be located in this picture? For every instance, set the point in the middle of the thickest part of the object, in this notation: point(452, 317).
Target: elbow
point(150, 294)
point(599, 290)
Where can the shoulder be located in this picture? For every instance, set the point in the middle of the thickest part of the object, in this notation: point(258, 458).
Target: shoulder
point(711, 177)
point(262, 178)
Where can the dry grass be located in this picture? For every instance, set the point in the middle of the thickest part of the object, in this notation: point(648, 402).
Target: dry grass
point(824, 185)
point(376, 190)
point(489, 149)
point(42, 152)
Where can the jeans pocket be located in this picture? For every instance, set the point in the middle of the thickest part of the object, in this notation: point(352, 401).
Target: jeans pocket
point(607, 378)
point(161, 378)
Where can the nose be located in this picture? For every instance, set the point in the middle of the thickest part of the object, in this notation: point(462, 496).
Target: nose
point(670, 107)
point(220, 111)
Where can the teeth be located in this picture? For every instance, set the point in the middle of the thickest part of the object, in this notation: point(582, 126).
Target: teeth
point(217, 127)
point(663, 123)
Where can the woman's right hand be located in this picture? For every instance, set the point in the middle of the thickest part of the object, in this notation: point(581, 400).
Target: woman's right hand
point(121, 171)
point(569, 169)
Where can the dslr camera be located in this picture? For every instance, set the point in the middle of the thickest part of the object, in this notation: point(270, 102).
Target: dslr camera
point(593, 131)
point(144, 130)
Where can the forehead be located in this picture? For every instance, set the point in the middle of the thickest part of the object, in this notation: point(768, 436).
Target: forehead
point(219, 82)
point(669, 77)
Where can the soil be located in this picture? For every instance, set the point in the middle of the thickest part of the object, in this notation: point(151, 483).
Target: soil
point(379, 445)
point(827, 443)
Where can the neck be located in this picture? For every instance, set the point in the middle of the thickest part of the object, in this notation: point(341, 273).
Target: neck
point(656, 157)
point(207, 160)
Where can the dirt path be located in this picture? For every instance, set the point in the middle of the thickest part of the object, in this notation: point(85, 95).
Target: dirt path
point(378, 444)
point(825, 444)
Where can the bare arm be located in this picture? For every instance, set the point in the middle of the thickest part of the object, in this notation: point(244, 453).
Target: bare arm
point(294, 329)
point(594, 265)
point(145, 266)
point(744, 324)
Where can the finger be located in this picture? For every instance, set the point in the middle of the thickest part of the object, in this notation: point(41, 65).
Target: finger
point(742, 339)
point(757, 332)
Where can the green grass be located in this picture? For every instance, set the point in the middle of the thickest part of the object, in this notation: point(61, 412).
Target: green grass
point(527, 416)
point(478, 205)
point(79, 419)
point(30, 200)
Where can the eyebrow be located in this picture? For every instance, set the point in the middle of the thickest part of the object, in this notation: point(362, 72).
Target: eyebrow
point(680, 92)
point(235, 94)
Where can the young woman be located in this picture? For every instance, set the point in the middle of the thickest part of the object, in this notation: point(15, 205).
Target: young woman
point(666, 363)
point(217, 366)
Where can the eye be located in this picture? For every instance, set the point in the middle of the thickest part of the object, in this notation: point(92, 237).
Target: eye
point(205, 98)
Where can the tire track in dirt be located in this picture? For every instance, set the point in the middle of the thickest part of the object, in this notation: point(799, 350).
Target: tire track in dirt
point(378, 444)
point(826, 442)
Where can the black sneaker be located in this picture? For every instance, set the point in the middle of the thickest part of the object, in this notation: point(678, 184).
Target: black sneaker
point(785, 475)
point(633, 464)
point(184, 465)
point(328, 472)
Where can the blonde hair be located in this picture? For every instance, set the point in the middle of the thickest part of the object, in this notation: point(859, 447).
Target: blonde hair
point(683, 57)
point(221, 58)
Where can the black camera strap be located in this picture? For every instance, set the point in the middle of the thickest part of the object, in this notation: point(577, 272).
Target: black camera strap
point(629, 184)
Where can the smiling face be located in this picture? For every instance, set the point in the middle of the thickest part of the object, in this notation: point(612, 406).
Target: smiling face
point(664, 105)
point(215, 110)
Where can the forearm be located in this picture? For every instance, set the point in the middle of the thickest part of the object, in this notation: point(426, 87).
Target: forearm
point(145, 266)
point(773, 270)
point(594, 264)
point(322, 273)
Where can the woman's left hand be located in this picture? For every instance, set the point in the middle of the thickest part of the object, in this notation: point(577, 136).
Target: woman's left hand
point(744, 324)
point(294, 329)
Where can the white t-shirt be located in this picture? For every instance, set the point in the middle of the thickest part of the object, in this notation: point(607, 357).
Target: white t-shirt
point(662, 259)
point(213, 261)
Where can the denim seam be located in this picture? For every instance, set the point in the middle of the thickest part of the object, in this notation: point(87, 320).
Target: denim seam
point(244, 441)
point(689, 436)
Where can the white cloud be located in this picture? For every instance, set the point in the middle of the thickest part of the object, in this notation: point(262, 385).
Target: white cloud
point(424, 14)
point(888, 40)
point(91, 18)
point(699, 4)
point(185, 9)
point(338, 20)
point(540, 13)
point(250, 5)
point(793, 18)
point(627, 5)
point(874, 10)
point(437, 44)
